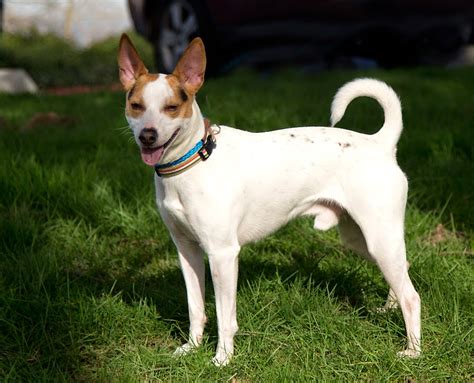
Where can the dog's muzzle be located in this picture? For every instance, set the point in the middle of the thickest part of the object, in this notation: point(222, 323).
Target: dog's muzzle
point(150, 153)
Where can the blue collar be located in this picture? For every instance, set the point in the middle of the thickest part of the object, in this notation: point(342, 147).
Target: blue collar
point(200, 152)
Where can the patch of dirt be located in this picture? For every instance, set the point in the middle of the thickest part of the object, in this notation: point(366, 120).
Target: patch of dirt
point(441, 234)
point(47, 119)
point(81, 89)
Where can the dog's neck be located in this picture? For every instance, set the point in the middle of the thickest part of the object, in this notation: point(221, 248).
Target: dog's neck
point(192, 130)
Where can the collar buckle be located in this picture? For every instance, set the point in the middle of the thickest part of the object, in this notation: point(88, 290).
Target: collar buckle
point(207, 147)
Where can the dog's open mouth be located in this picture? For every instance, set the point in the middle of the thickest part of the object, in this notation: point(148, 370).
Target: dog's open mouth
point(151, 156)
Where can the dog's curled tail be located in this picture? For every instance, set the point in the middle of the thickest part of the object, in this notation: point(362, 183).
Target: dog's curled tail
point(390, 132)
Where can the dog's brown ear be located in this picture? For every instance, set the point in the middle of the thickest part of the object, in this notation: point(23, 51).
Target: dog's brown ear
point(191, 66)
point(130, 64)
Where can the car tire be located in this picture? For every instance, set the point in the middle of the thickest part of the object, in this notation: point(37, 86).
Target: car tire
point(177, 23)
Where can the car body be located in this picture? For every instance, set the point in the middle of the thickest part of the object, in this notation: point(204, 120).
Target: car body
point(1, 15)
point(264, 32)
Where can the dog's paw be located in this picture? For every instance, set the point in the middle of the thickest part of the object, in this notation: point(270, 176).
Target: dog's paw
point(221, 359)
point(185, 349)
point(390, 304)
point(409, 353)
point(385, 309)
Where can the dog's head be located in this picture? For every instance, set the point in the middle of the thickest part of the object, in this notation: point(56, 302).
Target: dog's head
point(159, 107)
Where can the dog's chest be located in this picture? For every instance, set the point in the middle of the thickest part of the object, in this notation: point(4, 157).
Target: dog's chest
point(173, 211)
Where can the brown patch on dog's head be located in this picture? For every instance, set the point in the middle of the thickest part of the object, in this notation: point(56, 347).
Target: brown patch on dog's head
point(181, 103)
point(186, 79)
point(135, 104)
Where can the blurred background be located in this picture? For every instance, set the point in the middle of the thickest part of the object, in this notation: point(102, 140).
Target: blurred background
point(262, 34)
point(83, 22)
point(325, 33)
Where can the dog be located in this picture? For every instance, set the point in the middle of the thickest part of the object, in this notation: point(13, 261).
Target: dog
point(219, 188)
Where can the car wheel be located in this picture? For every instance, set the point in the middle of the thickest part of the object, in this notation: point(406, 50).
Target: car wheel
point(179, 21)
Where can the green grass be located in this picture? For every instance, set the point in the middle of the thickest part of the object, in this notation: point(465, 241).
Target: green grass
point(90, 288)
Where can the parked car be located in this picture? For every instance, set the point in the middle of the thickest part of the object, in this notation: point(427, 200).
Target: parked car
point(1, 15)
point(264, 32)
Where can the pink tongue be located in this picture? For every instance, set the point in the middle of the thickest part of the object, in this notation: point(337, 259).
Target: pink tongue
point(152, 156)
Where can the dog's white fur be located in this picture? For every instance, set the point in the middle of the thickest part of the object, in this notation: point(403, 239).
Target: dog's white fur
point(254, 183)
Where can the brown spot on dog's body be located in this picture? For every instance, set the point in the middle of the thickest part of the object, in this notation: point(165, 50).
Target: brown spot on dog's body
point(135, 95)
point(344, 145)
point(180, 99)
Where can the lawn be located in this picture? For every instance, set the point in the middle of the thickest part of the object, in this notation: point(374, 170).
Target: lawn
point(90, 288)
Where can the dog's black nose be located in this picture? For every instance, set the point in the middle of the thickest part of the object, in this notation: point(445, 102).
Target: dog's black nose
point(148, 136)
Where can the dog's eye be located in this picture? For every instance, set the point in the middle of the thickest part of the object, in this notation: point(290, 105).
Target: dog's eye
point(137, 106)
point(171, 108)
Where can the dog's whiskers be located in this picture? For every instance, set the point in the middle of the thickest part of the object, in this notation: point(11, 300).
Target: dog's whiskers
point(123, 129)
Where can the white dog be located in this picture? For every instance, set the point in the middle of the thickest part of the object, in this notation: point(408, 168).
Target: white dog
point(219, 188)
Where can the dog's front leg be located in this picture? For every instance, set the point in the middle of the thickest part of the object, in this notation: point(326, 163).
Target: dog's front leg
point(192, 265)
point(224, 270)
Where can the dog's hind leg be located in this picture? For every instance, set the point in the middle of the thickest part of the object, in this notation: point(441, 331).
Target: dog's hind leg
point(352, 237)
point(390, 258)
point(192, 265)
point(385, 243)
point(391, 303)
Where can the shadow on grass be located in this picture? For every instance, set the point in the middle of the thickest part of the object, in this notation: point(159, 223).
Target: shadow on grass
point(58, 324)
